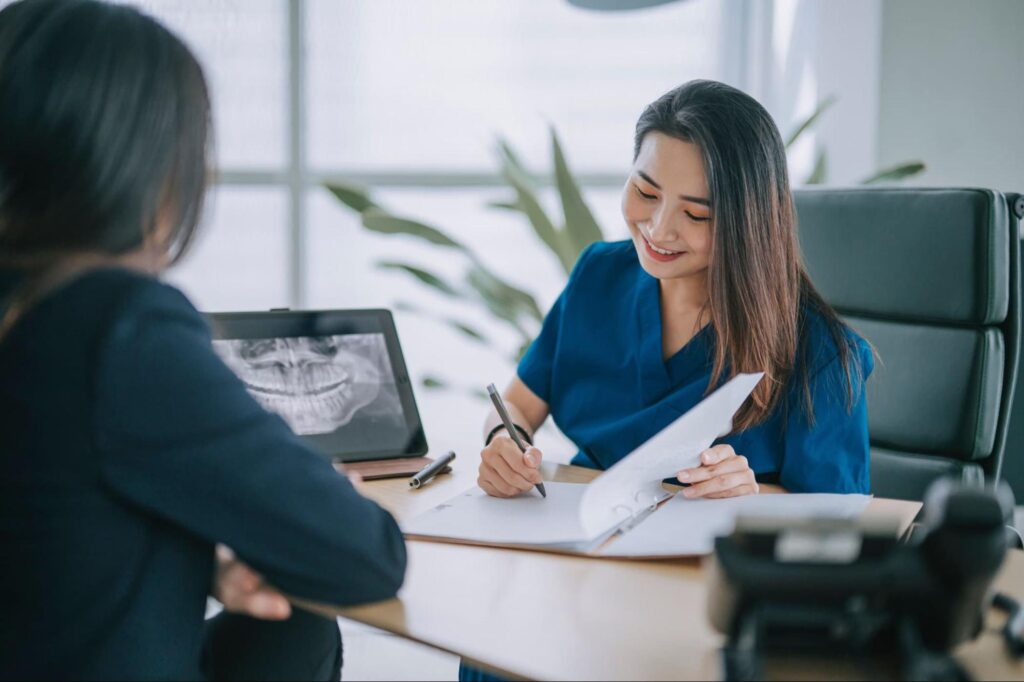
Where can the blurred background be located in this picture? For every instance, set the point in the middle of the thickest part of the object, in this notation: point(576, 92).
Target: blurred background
point(409, 101)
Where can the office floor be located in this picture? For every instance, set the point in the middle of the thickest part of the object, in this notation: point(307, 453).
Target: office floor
point(374, 655)
point(371, 654)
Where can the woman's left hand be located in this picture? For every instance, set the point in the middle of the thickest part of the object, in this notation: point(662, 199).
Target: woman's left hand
point(722, 473)
point(241, 590)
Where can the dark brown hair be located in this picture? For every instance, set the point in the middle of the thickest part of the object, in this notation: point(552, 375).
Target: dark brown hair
point(104, 125)
point(758, 288)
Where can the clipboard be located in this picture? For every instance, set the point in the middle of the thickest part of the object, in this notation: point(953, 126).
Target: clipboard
point(670, 527)
point(625, 512)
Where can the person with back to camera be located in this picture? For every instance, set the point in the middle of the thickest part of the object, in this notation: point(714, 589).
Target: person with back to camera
point(138, 475)
point(709, 285)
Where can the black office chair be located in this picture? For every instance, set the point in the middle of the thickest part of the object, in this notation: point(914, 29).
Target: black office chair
point(1013, 460)
point(931, 278)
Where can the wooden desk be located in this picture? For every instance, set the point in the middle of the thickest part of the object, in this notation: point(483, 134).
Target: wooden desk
point(542, 616)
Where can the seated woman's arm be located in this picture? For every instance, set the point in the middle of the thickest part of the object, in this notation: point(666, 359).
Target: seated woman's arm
point(524, 407)
point(504, 470)
point(181, 439)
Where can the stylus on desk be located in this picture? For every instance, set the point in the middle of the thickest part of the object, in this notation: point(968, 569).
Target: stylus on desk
point(499, 405)
point(427, 474)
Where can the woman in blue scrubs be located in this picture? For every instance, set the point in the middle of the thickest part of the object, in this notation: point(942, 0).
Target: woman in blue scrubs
point(710, 285)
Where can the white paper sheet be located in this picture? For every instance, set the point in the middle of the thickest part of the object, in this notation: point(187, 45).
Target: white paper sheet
point(683, 527)
point(525, 520)
point(634, 483)
point(577, 516)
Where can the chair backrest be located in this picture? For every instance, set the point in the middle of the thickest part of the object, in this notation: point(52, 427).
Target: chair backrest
point(1013, 457)
point(931, 278)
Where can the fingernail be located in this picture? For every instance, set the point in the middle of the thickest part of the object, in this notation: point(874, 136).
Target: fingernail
point(273, 604)
point(684, 476)
point(688, 492)
point(530, 460)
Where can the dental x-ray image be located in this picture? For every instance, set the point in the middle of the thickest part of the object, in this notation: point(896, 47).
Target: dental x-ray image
point(317, 384)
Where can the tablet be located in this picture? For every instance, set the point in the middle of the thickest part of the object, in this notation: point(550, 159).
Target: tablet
point(337, 377)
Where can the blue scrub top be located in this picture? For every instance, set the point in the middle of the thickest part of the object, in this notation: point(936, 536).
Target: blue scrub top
point(598, 365)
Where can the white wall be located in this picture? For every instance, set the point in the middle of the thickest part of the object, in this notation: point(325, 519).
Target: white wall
point(952, 90)
point(847, 53)
point(801, 52)
point(941, 81)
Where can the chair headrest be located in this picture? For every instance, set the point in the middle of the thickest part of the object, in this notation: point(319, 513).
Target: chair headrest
point(929, 255)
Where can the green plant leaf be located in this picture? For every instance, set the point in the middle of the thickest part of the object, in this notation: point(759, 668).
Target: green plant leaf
point(467, 330)
point(820, 172)
point(898, 172)
point(823, 106)
point(455, 324)
point(505, 205)
point(433, 383)
point(354, 196)
point(495, 300)
point(521, 352)
point(428, 278)
point(529, 205)
point(510, 158)
point(507, 292)
point(379, 220)
point(580, 227)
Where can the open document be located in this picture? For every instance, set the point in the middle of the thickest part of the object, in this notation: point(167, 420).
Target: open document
point(529, 520)
point(624, 512)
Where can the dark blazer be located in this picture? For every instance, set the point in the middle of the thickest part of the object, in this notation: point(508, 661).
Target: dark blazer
point(127, 449)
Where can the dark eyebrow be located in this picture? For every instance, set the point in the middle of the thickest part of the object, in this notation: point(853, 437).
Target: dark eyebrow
point(684, 197)
point(648, 178)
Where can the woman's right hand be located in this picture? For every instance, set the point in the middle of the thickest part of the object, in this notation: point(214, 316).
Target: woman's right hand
point(505, 471)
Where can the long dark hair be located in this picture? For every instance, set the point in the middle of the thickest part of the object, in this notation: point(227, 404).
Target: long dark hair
point(104, 126)
point(759, 291)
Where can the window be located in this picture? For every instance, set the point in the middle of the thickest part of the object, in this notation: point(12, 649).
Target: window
point(396, 85)
point(409, 96)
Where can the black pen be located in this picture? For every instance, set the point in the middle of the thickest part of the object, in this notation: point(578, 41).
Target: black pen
point(433, 469)
point(499, 405)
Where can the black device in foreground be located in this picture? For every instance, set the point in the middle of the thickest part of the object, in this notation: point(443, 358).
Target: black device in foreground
point(845, 588)
point(337, 377)
point(1013, 630)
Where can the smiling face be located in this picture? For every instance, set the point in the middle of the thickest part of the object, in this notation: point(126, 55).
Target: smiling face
point(666, 205)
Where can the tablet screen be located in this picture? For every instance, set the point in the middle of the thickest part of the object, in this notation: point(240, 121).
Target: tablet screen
point(338, 391)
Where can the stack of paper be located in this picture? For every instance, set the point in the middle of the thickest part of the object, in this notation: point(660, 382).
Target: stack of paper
point(527, 520)
point(684, 527)
point(679, 527)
